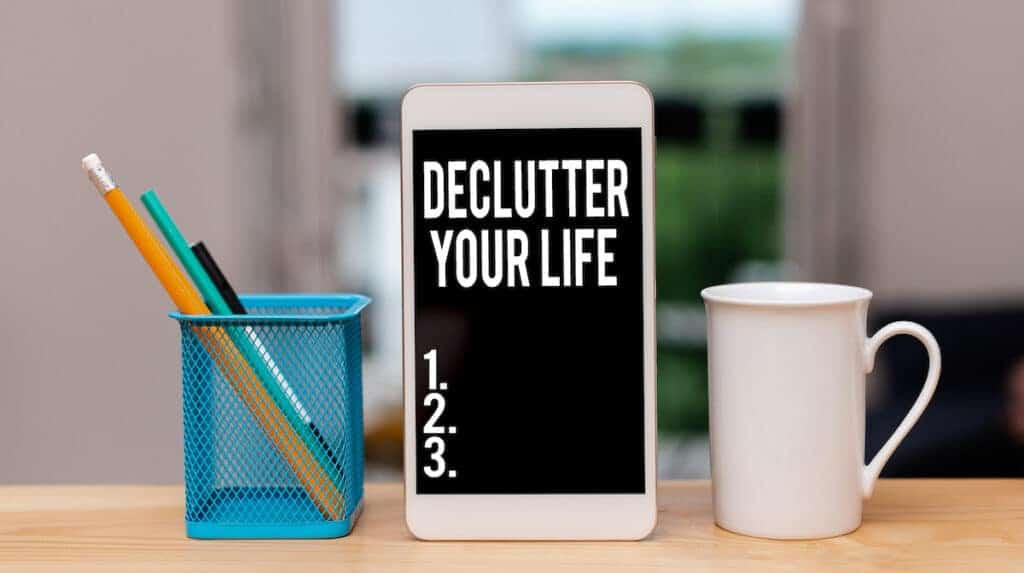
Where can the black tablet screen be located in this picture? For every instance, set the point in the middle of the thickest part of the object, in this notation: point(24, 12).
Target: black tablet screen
point(528, 311)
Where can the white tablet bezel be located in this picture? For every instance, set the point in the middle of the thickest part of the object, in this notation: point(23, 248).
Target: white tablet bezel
point(523, 106)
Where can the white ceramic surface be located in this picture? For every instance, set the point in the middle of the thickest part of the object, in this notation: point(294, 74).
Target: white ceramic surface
point(787, 364)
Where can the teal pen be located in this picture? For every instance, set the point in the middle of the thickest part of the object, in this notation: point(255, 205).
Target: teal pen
point(249, 344)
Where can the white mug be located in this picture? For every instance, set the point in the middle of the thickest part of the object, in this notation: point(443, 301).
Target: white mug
point(787, 363)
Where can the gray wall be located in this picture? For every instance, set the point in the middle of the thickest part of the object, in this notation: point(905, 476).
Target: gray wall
point(167, 93)
point(907, 130)
point(942, 149)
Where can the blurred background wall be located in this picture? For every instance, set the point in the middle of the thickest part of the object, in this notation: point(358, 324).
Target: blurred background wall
point(867, 142)
point(907, 125)
point(227, 109)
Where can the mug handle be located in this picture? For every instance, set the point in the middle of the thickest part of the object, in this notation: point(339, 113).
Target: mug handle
point(871, 471)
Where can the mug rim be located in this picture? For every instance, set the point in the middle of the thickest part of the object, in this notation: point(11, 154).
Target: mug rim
point(785, 294)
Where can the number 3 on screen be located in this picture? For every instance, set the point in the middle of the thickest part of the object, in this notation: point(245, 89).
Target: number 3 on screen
point(437, 456)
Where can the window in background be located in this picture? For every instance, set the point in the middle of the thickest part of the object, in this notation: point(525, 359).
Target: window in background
point(717, 70)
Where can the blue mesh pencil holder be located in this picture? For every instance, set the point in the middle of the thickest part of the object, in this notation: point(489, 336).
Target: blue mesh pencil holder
point(273, 416)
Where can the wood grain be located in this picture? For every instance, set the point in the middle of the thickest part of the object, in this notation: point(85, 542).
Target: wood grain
point(929, 525)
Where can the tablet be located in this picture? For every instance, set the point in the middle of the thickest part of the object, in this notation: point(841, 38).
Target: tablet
point(528, 311)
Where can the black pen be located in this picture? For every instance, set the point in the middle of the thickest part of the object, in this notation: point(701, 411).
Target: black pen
point(218, 278)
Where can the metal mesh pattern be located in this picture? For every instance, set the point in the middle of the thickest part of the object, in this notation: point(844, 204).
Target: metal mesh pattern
point(273, 412)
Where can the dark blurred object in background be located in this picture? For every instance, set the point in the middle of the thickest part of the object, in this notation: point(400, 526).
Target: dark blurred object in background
point(760, 122)
point(679, 121)
point(371, 122)
point(965, 431)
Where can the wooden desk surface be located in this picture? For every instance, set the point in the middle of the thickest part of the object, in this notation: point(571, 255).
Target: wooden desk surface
point(909, 524)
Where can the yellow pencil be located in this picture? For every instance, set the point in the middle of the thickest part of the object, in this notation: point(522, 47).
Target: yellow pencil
point(220, 347)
